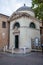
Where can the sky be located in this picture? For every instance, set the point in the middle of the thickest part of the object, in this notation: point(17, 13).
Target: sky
point(7, 7)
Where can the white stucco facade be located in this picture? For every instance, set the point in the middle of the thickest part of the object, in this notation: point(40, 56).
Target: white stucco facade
point(25, 32)
point(29, 12)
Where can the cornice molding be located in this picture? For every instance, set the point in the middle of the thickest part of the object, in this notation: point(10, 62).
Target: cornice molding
point(17, 15)
point(28, 28)
point(4, 15)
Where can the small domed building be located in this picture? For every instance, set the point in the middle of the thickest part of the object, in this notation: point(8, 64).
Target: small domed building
point(24, 29)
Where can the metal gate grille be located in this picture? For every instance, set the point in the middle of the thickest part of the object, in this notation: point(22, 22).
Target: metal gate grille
point(33, 45)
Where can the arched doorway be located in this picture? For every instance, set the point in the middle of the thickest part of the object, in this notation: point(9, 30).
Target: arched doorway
point(16, 41)
point(16, 33)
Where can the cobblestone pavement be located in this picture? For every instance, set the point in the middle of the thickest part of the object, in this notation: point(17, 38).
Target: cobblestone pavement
point(33, 58)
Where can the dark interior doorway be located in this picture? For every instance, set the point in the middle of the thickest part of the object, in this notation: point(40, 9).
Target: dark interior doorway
point(16, 41)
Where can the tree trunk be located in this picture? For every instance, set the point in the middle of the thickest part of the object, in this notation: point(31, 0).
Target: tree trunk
point(42, 23)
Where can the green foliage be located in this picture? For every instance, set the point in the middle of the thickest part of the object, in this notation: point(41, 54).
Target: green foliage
point(37, 6)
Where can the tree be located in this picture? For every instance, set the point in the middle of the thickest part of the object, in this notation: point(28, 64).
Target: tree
point(37, 6)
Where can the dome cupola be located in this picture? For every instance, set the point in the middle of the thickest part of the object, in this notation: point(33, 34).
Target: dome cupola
point(26, 9)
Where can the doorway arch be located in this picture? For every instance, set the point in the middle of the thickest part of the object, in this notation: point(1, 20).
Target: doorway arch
point(17, 41)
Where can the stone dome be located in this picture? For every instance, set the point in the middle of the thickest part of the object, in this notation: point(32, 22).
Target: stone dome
point(24, 8)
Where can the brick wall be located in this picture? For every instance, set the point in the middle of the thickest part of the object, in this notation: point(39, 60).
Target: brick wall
point(3, 31)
